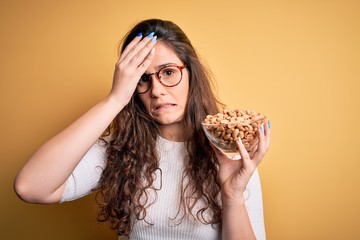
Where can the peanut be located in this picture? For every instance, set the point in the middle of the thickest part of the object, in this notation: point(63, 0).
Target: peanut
point(228, 125)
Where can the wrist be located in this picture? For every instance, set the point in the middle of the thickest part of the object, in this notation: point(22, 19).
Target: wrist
point(116, 102)
point(233, 201)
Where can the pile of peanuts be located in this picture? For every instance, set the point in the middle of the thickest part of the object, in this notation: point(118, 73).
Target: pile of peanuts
point(231, 124)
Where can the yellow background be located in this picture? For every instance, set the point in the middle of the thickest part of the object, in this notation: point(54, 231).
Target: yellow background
point(298, 62)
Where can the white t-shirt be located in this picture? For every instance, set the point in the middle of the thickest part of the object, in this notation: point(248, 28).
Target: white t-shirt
point(162, 212)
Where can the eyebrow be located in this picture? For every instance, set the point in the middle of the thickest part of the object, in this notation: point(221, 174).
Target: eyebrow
point(157, 68)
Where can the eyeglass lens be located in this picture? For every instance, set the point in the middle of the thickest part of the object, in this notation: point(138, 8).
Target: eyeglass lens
point(168, 76)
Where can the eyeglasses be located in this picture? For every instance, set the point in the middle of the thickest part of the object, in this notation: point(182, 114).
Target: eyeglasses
point(169, 76)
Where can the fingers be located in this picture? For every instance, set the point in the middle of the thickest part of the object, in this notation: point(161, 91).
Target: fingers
point(253, 150)
point(268, 133)
point(264, 134)
point(137, 51)
point(264, 137)
point(132, 63)
point(130, 46)
point(243, 152)
point(147, 61)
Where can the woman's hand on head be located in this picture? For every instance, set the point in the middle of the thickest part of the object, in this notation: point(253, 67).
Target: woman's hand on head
point(235, 174)
point(132, 63)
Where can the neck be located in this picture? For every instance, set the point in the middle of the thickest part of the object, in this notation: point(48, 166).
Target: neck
point(173, 132)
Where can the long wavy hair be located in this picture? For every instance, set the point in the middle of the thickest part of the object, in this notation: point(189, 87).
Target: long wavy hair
point(131, 140)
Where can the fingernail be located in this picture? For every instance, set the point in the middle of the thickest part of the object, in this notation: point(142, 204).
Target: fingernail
point(139, 34)
point(269, 124)
point(151, 35)
point(239, 139)
point(262, 128)
point(153, 39)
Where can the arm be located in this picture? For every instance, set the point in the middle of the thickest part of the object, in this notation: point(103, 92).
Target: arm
point(234, 177)
point(254, 205)
point(86, 176)
point(236, 222)
point(42, 178)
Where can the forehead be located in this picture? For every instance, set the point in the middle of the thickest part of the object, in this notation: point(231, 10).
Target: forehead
point(164, 55)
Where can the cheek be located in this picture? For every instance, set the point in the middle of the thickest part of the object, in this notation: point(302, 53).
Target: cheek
point(184, 96)
point(185, 91)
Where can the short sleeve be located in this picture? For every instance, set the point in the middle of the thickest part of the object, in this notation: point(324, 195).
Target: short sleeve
point(87, 173)
point(254, 205)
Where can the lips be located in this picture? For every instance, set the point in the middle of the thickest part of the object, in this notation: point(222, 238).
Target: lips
point(161, 106)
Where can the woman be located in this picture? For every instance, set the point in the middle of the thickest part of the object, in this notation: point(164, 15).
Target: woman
point(157, 175)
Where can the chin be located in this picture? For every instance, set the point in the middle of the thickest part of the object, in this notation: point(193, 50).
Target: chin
point(169, 120)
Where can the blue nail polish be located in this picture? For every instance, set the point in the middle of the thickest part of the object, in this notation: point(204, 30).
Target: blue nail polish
point(139, 34)
point(153, 39)
point(151, 35)
point(269, 124)
point(262, 128)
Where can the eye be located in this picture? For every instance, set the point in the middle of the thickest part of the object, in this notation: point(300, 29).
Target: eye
point(167, 72)
point(144, 79)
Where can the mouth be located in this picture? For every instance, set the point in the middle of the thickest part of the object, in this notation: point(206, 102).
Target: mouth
point(163, 106)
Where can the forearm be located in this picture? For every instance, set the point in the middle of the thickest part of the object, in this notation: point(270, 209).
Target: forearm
point(236, 223)
point(42, 178)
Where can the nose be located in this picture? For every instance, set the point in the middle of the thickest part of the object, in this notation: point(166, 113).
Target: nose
point(156, 89)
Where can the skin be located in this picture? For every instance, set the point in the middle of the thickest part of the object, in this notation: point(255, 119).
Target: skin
point(56, 159)
point(166, 104)
point(234, 175)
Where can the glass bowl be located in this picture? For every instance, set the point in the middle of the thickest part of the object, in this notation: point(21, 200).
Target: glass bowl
point(223, 131)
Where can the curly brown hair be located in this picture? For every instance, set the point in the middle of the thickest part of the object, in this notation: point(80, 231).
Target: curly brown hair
point(132, 161)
